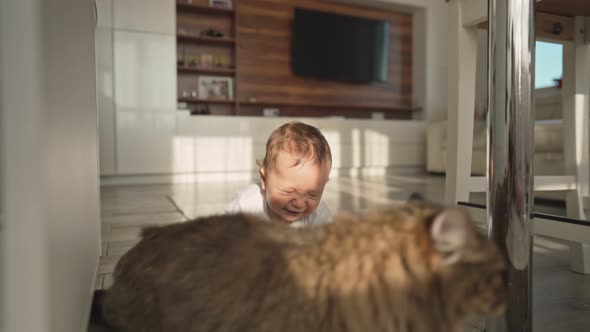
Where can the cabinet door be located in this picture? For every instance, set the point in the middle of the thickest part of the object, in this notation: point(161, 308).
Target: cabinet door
point(144, 142)
point(145, 101)
point(104, 87)
point(145, 15)
point(104, 13)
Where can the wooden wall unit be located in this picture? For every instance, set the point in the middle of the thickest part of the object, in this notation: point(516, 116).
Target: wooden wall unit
point(193, 17)
point(568, 8)
point(264, 78)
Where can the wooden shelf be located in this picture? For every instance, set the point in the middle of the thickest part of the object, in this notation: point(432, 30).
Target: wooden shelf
point(203, 9)
point(206, 101)
point(341, 106)
point(215, 71)
point(206, 40)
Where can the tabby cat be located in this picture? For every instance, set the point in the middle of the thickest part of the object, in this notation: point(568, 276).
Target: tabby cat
point(414, 268)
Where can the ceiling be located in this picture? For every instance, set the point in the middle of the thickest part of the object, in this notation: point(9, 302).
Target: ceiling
point(564, 7)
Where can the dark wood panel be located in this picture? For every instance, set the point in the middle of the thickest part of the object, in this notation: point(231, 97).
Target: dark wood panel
point(314, 111)
point(554, 26)
point(276, 7)
point(301, 95)
point(201, 3)
point(205, 40)
point(321, 106)
point(205, 101)
point(264, 63)
point(210, 109)
point(263, 23)
point(269, 47)
point(200, 8)
point(545, 26)
point(191, 23)
point(319, 88)
point(206, 70)
point(564, 7)
point(354, 102)
point(270, 88)
point(187, 52)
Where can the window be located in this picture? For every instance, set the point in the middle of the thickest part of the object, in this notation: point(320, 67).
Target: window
point(548, 64)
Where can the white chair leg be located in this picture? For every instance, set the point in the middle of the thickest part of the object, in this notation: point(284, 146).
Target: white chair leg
point(576, 90)
point(580, 257)
point(462, 57)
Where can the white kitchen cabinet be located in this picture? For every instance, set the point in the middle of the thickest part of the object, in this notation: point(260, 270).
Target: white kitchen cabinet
point(156, 16)
point(145, 101)
point(145, 72)
point(144, 142)
point(104, 87)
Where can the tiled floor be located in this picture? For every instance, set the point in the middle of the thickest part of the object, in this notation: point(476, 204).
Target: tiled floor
point(561, 298)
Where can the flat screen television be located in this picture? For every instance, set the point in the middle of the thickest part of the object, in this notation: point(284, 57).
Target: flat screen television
point(339, 47)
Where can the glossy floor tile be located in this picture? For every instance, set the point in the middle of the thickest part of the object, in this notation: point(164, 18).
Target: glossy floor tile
point(561, 297)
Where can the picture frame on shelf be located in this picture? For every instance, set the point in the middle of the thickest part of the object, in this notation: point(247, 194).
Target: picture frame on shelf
point(221, 3)
point(216, 87)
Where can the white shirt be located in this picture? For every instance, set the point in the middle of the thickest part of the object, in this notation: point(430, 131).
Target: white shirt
point(251, 200)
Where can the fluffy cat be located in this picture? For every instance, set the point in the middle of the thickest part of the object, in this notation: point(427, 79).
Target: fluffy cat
point(415, 268)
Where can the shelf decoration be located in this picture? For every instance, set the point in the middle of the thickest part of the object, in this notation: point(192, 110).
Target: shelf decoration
point(221, 3)
point(215, 88)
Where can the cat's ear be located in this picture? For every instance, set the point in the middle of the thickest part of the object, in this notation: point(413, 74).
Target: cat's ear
point(262, 178)
point(449, 233)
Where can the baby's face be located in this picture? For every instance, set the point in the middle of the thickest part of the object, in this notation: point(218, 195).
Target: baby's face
point(293, 192)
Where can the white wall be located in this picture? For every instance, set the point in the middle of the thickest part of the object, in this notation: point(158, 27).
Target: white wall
point(51, 235)
point(152, 138)
point(430, 55)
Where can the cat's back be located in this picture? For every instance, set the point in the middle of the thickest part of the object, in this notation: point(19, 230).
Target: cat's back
point(184, 271)
point(184, 245)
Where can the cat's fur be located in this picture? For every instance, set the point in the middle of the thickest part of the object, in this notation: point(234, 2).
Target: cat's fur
point(415, 268)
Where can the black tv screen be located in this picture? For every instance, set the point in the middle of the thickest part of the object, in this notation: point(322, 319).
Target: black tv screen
point(339, 47)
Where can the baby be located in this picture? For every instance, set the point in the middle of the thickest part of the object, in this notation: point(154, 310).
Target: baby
point(293, 174)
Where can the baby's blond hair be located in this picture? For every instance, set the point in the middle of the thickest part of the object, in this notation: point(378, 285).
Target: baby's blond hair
point(297, 138)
